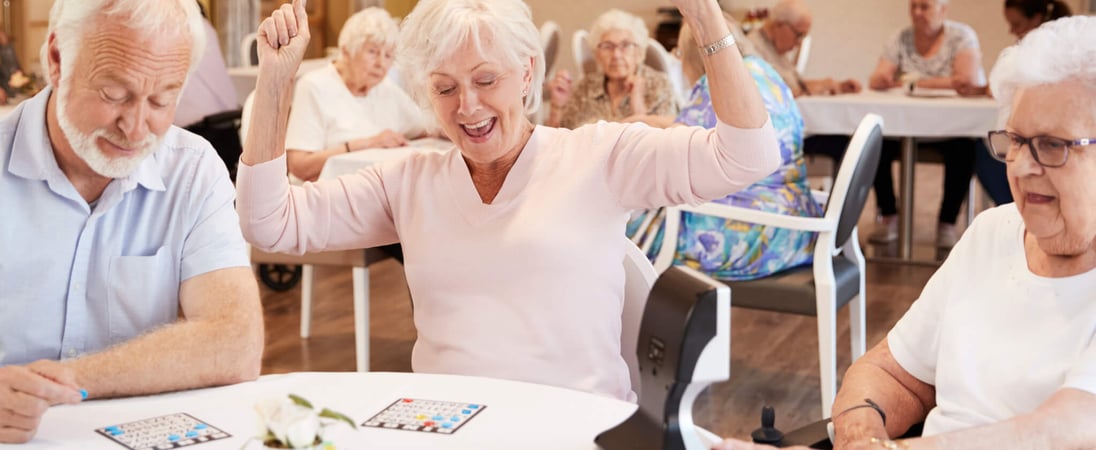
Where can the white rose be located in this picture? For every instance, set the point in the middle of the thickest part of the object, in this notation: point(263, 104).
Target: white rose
point(289, 423)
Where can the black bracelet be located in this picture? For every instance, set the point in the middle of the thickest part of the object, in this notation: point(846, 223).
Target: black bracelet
point(868, 404)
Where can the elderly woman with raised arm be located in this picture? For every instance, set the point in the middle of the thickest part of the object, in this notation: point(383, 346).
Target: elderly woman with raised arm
point(512, 239)
point(1000, 349)
point(621, 87)
point(350, 105)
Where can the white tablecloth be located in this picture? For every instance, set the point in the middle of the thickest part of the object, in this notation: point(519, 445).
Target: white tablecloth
point(903, 115)
point(345, 163)
point(517, 415)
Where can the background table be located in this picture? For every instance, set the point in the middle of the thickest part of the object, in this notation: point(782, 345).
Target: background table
point(905, 117)
point(345, 163)
point(518, 415)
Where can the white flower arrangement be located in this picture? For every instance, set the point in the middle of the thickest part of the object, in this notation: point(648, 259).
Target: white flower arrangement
point(293, 422)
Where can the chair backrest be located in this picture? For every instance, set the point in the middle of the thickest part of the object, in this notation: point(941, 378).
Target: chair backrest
point(659, 59)
point(855, 177)
point(222, 131)
point(802, 55)
point(549, 38)
point(639, 276)
point(249, 50)
point(583, 54)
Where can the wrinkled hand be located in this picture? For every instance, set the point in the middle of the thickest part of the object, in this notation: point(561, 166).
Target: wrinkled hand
point(384, 139)
point(26, 392)
point(968, 90)
point(849, 86)
point(735, 444)
point(282, 40)
point(636, 85)
point(560, 88)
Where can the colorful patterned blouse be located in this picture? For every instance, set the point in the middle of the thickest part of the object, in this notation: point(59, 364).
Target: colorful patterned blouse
point(733, 250)
point(590, 103)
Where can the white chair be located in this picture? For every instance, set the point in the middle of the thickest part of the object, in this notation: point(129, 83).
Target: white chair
point(835, 278)
point(549, 39)
point(659, 59)
point(249, 51)
point(639, 276)
point(582, 52)
point(802, 54)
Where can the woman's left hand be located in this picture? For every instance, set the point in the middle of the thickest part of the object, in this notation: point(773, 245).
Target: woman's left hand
point(695, 8)
point(637, 90)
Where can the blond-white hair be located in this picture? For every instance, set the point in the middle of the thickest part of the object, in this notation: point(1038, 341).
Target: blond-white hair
point(369, 26)
point(615, 19)
point(437, 28)
point(72, 22)
point(1056, 51)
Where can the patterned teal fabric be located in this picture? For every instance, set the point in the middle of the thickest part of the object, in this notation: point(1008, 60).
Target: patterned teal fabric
point(733, 250)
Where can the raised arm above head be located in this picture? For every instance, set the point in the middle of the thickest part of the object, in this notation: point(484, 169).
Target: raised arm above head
point(735, 99)
point(283, 39)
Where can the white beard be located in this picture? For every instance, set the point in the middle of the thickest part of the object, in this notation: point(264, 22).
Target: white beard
point(85, 146)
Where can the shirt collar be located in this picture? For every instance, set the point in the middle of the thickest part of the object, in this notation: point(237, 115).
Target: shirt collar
point(32, 153)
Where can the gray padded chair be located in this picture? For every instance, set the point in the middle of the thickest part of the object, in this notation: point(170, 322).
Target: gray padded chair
point(835, 278)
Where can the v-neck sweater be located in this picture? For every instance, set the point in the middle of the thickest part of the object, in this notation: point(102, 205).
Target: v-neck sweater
point(529, 287)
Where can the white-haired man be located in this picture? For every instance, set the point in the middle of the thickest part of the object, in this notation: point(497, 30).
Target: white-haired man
point(124, 271)
point(783, 32)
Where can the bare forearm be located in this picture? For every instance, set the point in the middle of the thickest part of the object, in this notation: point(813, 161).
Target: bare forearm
point(735, 98)
point(221, 344)
point(878, 376)
point(935, 83)
point(269, 114)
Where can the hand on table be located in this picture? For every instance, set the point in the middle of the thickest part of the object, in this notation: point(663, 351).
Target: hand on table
point(849, 86)
point(968, 90)
point(735, 444)
point(26, 392)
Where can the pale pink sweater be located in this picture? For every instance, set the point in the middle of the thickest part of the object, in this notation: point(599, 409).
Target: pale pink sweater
point(531, 286)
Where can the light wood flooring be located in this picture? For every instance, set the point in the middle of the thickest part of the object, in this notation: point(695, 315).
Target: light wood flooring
point(774, 359)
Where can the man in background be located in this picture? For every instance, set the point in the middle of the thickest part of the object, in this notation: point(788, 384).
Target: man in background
point(783, 32)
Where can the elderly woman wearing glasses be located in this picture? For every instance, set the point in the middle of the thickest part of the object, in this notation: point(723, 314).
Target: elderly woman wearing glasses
point(1000, 349)
point(622, 86)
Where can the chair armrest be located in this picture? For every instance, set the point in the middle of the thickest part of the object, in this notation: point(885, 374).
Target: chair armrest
point(761, 217)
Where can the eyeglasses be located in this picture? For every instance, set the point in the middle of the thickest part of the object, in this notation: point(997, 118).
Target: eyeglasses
point(1048, 151)
point(611, 47)
point(799, 35)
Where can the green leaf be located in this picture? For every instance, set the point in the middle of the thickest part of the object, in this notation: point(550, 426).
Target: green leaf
point(300, 401)
point(338, 416)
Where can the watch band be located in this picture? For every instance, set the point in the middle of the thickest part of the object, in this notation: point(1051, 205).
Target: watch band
point(716, 46)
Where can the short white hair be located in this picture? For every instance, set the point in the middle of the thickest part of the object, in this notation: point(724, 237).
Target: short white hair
point(790, 11)
point(73, 21)
point(615, 19)
point(1056, 51)
point(436, 28)
point(369, 26)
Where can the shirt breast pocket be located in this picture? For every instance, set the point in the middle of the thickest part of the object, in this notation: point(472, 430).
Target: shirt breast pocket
point(143, 293)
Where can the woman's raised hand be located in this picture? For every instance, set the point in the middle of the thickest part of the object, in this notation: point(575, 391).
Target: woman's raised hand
point(282, 40)
point(696, 8)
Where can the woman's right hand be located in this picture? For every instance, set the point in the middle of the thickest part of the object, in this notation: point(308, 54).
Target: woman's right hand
point(560, 88)
point(384, 139)
point(282, 40)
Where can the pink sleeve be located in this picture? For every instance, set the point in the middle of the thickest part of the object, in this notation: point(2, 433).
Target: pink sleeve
point(646, 167)
point(349, 212)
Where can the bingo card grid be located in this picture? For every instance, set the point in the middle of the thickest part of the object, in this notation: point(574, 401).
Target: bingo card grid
point(429, 416)
point(164, 432)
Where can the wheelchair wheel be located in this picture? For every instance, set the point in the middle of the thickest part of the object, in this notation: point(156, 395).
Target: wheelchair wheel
point(279, 277)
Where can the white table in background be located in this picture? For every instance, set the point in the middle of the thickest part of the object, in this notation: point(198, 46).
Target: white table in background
point(517, 415)
point(907, 117)
point(346, 163)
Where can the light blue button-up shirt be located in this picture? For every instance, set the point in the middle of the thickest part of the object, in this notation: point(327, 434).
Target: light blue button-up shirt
point(76, 279)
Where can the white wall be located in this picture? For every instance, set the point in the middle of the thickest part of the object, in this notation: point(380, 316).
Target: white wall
point(848, 34)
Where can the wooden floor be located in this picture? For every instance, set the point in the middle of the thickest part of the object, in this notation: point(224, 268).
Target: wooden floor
point(774, 357)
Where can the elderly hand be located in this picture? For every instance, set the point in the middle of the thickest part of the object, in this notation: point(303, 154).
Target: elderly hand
point(849, 86)
point(384, 139)
point(26, 392)
point(637, 90)
point(697, 8)
point(282, 41)
point(735, 444)
point(966, 89)
point(559, 89)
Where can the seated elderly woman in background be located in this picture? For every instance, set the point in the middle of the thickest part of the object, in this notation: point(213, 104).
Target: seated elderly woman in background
point(933, 53)
point(621, 86)
point(1000, 349)
point(733, 250)
point(513, 238)
point(350, 105)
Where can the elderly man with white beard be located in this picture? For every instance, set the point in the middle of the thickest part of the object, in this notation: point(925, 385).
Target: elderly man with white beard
point(122, 267)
